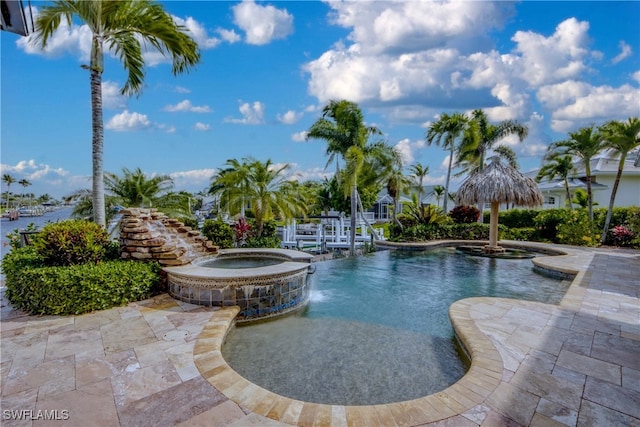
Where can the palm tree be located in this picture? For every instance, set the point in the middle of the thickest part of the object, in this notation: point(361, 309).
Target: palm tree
point(271, 195)
point(24, 183)
point(342, 127)
point(135, 189)
point(438, 192)
point(622, 138)
point(584, 144)
point(231, 184)
point(418, 172)
point(446, 132)
point(558, 165)
point(397, 184)
point(122, 27)
point(483, 136)
point(8, 179)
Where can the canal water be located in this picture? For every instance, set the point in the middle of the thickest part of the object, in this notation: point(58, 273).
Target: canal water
point(7, 226)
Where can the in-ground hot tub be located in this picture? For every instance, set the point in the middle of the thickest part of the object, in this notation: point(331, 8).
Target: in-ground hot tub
point(262, 282)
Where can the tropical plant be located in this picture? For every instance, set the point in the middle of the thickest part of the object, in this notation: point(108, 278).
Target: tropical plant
point(231, 184)
point(483, 136)
point(342, 127)
point(448, 132)
point(558, 165)
point(418, 173)
point(271, 194)
point(397, 184)
point(584, 144)
point(263, 185)
point(218, 232)
point(8, 179)
point(135, 189)
point(121, 27)
point(438, 192)
point(24, 183)
point(622, 138)
point(464, 214)
point(581, 198)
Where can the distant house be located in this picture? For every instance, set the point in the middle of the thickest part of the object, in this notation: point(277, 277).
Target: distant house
point(603, 175)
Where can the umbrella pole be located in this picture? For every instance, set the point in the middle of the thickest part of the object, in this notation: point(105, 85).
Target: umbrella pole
point(493, 231)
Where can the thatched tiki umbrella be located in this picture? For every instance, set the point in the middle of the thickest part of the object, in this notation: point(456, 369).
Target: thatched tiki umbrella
point(498, 183)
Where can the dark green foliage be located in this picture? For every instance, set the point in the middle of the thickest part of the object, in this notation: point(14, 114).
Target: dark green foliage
point(426, 232)
point(218, 232)
point(268, 239)
point(189, 221)
point(463, 214)
point(563, 226)
point(72, 242)
point(529, 234)
point(75, 289)
point(516, 218)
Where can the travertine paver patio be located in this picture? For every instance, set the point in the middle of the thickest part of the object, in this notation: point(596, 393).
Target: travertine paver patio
point(154, 363)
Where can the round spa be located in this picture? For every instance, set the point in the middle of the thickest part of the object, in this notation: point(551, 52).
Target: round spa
point(262, 282)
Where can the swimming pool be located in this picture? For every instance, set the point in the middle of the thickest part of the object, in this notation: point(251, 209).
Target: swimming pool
point(376, 329)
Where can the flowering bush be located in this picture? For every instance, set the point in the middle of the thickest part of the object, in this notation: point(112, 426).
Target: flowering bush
point(464, 214)
point(621, 235)
point(241, 229)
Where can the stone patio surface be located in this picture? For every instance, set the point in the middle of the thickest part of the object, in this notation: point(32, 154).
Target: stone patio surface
point(157, 363)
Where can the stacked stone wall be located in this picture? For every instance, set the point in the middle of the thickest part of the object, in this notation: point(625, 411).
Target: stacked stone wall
point(146, 234)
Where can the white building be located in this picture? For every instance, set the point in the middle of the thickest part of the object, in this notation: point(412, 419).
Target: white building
point(603, 175)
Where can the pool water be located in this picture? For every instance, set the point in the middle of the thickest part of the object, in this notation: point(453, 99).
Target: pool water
point(376, 329)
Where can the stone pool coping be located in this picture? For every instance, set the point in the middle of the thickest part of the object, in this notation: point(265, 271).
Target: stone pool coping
point(481, 380)
point(293, 261)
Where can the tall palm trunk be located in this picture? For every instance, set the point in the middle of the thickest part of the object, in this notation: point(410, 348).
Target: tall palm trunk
point(446, 190)
point(97, 145)
point(589, 192)
point(566, 188)
point(612, 200)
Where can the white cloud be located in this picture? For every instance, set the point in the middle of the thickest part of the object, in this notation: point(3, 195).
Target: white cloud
point(253, 114)
point(407, 149)
point(198, 32)
point(192, 180)
point(181, 89)
point(74, 40)
point(625, 52)
point(552, 59)
point(262, 24)
point(290, 117)
point(186, 105)
point(127, 121)
point(300, 136)
point(202, 126)
point(575, 104)
point(230, 36)
point(636, 76)
point(32, 171)
point(111, 97)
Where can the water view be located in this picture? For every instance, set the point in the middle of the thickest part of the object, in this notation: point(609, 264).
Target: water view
point(376, 329)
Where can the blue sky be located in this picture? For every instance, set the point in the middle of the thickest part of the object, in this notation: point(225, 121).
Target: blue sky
point(267, 69)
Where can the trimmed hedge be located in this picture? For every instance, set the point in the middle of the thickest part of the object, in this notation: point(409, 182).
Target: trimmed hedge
point(72, 242)
point(75, 289)
point(425, 232)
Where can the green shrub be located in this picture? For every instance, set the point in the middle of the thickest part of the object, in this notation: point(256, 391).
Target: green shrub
point(218, 232)
point(517, 218)
point(72, 242)
point(75, 289)
point(428, 232)
point(268, 239)
point(464, 214)
point(189, 221)
point(529, 234)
